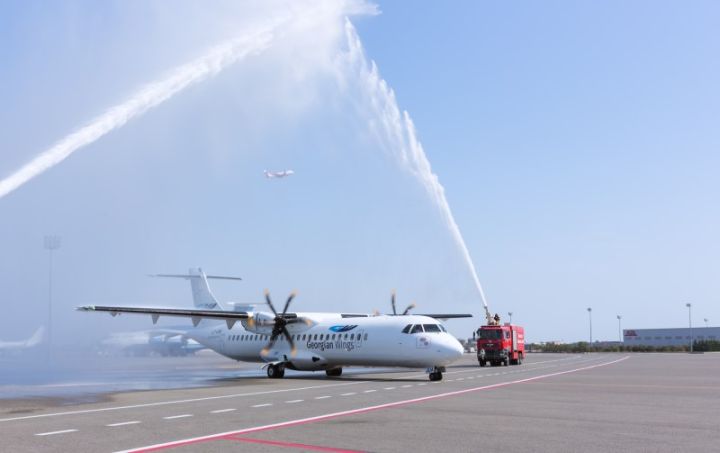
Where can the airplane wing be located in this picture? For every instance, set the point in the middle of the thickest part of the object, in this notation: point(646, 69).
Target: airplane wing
point(230, 317)
point(446, 315)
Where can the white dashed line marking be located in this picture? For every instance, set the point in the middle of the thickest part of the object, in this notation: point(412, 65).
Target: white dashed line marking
point(322, 397)
point(222, 411)
point(389, 388)
point(460, 379)
point(112, 425)
point(294, 401)
point(263, 405)
point(423, 383)
point(57, 432)
point(349, 394)
point(369, 391)
point(406, 386)
point(173, 417)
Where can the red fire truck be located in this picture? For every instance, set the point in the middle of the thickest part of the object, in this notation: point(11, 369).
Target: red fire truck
point(500, 344)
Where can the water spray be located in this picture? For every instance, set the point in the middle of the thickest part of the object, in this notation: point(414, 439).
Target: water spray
point(143, 100)
point(395, 129)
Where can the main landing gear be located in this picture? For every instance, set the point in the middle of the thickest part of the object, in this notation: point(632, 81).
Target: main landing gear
point(276, 370)
point(436, 373)
point(334, 372)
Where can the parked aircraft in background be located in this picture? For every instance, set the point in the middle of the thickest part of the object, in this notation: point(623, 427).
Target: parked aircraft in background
point(163, 342)
point(278, 174)
point(13, 347)
point(310, 341)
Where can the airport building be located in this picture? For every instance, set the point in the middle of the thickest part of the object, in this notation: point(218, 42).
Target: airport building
point(669, 337)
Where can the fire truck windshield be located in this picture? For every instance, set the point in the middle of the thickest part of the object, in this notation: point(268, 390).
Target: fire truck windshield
point(490, 334)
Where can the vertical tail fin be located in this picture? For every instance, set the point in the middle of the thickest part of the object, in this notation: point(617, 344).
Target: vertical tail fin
point(36, 338)
point(202, 296)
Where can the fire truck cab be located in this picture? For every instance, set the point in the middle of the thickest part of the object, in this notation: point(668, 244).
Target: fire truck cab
point(500, 345)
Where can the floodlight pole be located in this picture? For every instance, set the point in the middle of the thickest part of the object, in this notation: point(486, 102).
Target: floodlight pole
point(689, 306)
point(510, 316)
point(590, 317)
point(620, 328)
point(706, 321)
point(51, 243)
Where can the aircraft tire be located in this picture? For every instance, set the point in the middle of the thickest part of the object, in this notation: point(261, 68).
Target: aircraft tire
point(334, 372)
point(275, 371)
point(436, 376)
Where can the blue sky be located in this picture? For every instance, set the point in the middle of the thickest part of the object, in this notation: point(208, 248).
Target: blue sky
point(577, 144)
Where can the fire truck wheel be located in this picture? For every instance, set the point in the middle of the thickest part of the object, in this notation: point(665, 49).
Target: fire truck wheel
point(482, 362)
point(506, 362)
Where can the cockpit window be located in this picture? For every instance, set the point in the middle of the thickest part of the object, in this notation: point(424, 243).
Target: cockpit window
point(442, 328)
point(417, 328)
point(407, 328)
point(431, 327)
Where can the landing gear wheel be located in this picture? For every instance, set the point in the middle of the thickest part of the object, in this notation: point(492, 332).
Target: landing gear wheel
point(275, 371)
point(333, 372)
point(436, 376)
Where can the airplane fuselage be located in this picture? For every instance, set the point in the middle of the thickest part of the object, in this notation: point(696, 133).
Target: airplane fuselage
point(335, 341)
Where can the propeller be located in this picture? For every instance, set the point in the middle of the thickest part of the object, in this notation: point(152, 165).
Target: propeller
point(279, 324)
point(394, 309)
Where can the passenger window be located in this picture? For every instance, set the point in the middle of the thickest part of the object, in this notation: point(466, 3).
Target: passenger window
point(333, 337)
point(417, 328)
point(315, 338)
point(352, 336)
point(407, 328)
point(346, 336)
point(431, 327)
point(365, 337)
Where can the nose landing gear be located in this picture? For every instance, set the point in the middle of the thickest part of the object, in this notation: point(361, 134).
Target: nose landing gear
point(436, 373)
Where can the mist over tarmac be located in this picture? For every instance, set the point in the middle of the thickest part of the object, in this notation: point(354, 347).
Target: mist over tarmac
point(181, 185)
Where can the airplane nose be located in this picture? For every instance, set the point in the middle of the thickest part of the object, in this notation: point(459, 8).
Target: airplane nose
point(452, 349)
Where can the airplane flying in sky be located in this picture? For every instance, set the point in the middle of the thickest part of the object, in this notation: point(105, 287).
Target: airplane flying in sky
point(310, 341)
point(12, 347)
point(278, 174)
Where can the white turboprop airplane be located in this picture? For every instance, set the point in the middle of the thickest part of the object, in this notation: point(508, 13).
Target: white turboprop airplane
point(310, 341)
point(12, 347)
point(278, 174)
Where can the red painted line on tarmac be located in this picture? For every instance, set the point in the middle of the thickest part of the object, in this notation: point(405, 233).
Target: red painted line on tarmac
point(319, 418)
point(277, 443)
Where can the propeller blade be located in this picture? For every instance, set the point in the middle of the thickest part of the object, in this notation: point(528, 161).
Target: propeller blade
point(293, 349)
point(409, 307)
point(271, 343)
point(392, 301)
point(287, 303)
point(269, 302)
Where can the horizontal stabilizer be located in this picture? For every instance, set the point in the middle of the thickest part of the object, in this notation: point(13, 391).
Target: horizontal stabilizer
point(189, 276)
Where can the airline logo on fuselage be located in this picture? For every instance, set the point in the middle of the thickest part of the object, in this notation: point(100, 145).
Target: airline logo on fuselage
point(342, 328)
